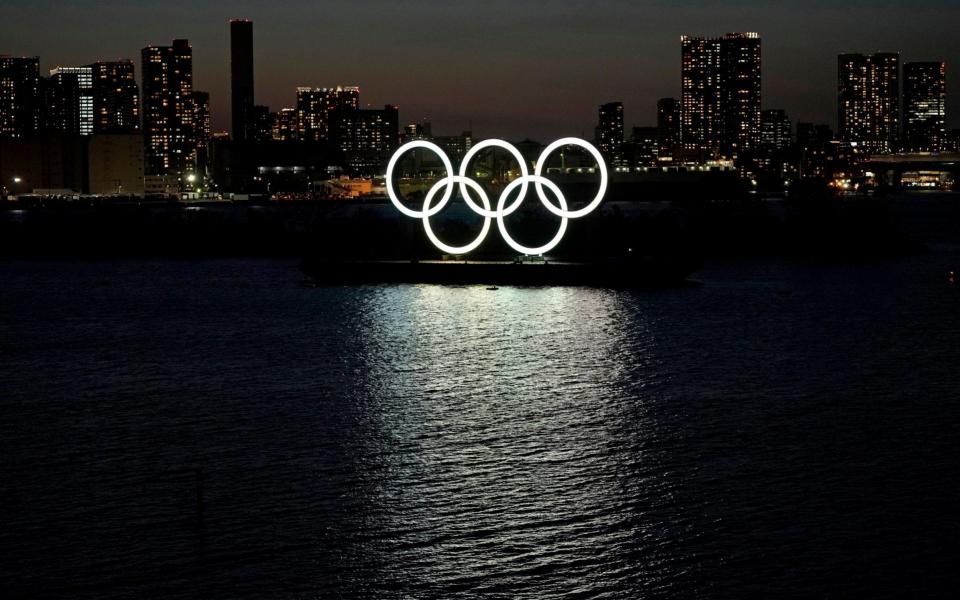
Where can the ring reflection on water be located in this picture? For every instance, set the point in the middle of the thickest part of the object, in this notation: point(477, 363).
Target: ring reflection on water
point(721, 440)
point(482, 463)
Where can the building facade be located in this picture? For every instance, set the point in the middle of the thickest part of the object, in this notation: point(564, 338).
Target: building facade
point(115, 164)
point(924, 106)
point(43, 161)
point(868, 101)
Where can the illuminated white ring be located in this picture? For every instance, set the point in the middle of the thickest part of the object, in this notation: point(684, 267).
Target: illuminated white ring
point(538, 180)
point(426, 212)
point(542, 163)
point(524, 172)
point(392, 193)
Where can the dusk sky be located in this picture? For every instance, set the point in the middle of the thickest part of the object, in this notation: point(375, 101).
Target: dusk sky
point(510, 68)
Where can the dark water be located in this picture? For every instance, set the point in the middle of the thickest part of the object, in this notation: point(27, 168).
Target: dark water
point(783, 430)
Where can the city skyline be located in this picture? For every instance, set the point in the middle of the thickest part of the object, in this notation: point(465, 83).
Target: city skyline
point(642, 58)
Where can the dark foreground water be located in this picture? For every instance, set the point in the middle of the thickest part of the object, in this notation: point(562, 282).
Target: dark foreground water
point(783, 430)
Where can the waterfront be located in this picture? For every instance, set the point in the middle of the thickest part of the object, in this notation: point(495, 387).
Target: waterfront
point(783, 428)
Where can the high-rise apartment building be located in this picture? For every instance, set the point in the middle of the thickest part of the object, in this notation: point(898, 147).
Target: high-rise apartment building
point(312, 114)
point(367, 138)
point(455, 146)
point(201, 117)
point(810, 135)
point(261, 124)
point(241, 78)
point(924, 106)
point(775, 131)
point(814, 143)
point(869, 100)
point(19, 96)
point(668, 127)
point(60, 103)
point(741, 89)
point(84, 77)
point(643, 149)
point(116, 97)
point(610, 133)
point(201, 129)
point(314, 106)
point(168, 110)
point(721, 94)
point(285, 125)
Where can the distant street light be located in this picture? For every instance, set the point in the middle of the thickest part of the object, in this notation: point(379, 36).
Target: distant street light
point(17, 180)
point(191, 178)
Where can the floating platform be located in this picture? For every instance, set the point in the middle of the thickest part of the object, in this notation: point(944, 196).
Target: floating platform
point(620, 274)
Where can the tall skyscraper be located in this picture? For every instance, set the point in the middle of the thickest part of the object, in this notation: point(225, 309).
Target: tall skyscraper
point(241, 78)
point(610, 133)
point(116, 97)
point(924, 106)
point(869, 100)
point(668, 127)
point(168, 111)
point(720, 101)
point(19, 96)
point(84, 77)
point(314, 106)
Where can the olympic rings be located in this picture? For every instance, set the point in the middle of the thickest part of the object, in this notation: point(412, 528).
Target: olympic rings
point(542, 162)
point(465, 184)
point(463, 181)
point(393, 163)
point(538, 180)
point(491, 144)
